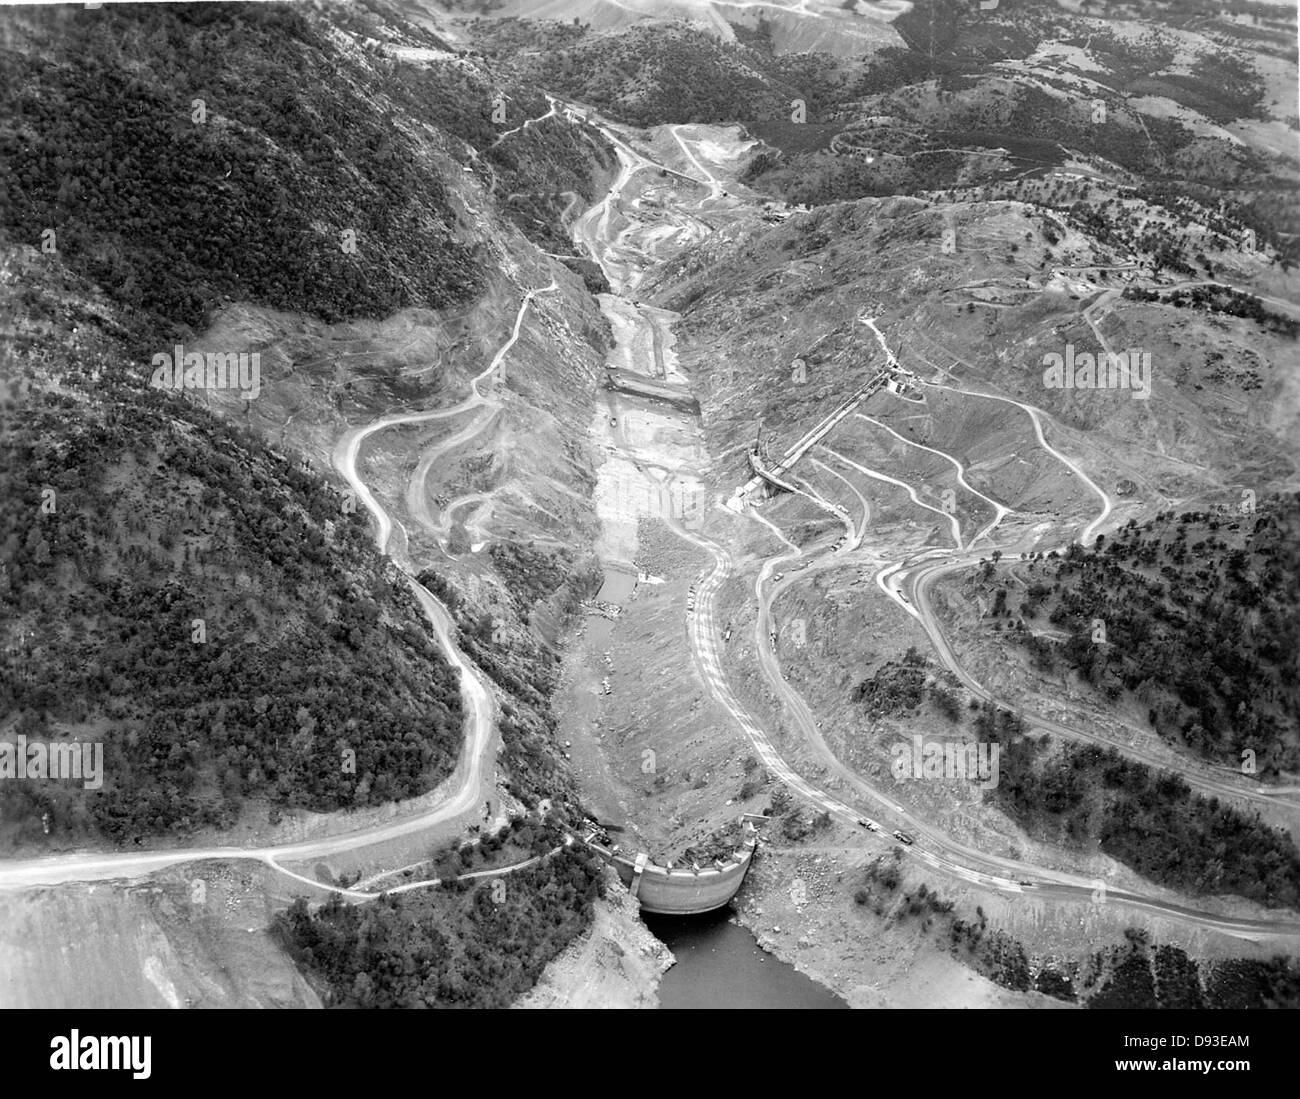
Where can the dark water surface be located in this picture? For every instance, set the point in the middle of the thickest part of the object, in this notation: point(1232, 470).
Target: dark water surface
point(719, 965)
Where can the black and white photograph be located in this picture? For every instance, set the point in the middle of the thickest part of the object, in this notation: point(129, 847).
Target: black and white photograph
point(569, 505)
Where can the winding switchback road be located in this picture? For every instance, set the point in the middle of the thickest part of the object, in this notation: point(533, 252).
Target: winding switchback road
point(460, 794)
point(933, 847)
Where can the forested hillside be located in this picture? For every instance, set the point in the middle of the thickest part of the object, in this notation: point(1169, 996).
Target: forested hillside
point(182, 156)
point(186, 154)
point(459, 945)
point(1087, 798)
point(987, 102)
point(1134, 973)
point(1201, 624)
point(209, 609)
point(650, 75)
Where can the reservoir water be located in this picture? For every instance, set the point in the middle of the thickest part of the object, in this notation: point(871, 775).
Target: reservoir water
point(720, 965)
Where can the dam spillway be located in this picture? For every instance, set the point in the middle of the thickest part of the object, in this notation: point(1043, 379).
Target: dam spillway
point(681, 891)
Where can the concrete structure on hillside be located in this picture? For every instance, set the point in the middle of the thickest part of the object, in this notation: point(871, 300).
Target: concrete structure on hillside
point(654, 389)
point(673, 891)
point(773, 474)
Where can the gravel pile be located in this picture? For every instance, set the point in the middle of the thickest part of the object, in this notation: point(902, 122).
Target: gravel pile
point(661, 553)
